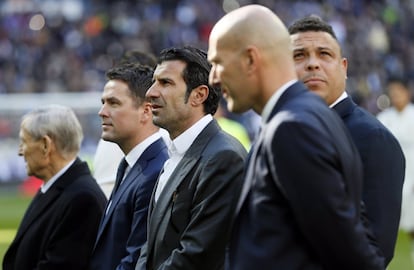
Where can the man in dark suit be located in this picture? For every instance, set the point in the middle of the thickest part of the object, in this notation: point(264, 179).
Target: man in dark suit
point(59, 227)
point(320, 65)
point(300, 203)
point(127, 121)
point(189, 220)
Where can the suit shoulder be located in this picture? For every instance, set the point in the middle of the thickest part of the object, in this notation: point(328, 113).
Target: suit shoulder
point(84, 187)
point(362, 123)
point(223, 145)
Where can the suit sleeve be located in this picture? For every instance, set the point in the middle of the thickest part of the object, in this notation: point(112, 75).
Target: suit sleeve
point(203, 241)
point(71, 242)
point(141, 263)
point(311, 176)
point(384, 166)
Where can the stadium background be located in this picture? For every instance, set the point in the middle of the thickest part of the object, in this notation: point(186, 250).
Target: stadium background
point(57, 51)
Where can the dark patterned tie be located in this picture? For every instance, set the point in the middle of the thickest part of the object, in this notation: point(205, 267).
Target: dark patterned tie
point(120, 174)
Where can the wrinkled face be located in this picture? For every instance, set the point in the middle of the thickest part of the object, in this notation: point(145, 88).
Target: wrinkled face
point(120, 113)
point(170, 109)
point(227, 72)
point(319, 64)
point(32, 152)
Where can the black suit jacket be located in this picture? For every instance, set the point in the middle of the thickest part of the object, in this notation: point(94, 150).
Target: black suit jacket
point(383, 166)
point(123, 230)
point(188, 228)
point(59, 233)
point(300, 204)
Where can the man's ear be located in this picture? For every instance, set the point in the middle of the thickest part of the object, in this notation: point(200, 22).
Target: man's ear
point(251, 59)
point(47, 145)
point(147, 111)
point(199, 95)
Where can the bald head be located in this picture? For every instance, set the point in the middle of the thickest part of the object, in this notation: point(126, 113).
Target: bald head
point(253, 25)
point(255, 43)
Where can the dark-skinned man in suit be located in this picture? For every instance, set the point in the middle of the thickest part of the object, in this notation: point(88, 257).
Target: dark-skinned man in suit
point(320, 65)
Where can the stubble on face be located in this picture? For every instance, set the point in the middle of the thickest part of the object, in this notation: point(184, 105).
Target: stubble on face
point(120, 114)
point(319, 64)
point(170, 106)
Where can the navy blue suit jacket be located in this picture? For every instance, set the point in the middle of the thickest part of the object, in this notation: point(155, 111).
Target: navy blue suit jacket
point(123, 229)
point(383, 166)
point(300, 203)
point(59, 233)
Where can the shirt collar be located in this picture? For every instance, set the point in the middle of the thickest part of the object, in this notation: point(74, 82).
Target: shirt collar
point(181, 144)
point(273, 100)
point(46, 186)
point(137, 151)
point(341, 97)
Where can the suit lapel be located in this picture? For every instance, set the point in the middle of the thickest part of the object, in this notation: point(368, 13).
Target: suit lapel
point(78, 167)
point(190, 159)
point(130, 178)
point(290, 93)
point(345, 107)
point(41, 204)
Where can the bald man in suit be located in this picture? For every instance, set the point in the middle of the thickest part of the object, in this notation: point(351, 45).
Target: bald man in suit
point(300, 203)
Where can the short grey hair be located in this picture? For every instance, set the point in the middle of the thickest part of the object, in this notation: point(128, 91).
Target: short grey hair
point(59, 123)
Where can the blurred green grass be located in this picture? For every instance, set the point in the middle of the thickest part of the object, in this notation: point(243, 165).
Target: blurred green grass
point(13, 206)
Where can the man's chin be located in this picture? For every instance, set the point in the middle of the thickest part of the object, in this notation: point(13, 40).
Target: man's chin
point(107, 138)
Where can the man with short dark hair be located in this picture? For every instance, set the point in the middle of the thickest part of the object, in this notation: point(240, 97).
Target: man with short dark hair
point(127, 121)
point(190, 213)
point(320, 65)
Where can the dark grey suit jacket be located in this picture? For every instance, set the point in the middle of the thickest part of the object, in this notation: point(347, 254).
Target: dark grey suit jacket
point(59, 233)
point(189, 226)
point(123, 229)
point(300, 204)
point(384, 168)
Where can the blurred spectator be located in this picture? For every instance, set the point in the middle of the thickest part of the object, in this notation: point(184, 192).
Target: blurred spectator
point(231, 126)
point(400, 120)
point(66, 46)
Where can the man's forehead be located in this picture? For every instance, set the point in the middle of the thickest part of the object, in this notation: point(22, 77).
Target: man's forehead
point(319, 39)
point(169, 67)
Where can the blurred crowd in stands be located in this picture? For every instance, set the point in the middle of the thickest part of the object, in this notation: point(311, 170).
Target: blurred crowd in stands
point(67, 45)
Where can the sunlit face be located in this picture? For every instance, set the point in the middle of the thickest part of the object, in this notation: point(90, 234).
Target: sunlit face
point(227, 72)
point(170, 109)
point(120, 114)
point(319, 64)
point(32, 152)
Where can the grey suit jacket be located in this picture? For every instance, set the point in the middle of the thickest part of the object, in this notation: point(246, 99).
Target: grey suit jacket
point(189, 226)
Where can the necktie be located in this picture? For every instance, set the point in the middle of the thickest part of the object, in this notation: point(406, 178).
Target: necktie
point(120, 173)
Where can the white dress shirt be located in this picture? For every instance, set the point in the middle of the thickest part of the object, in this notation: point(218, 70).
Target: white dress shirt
point(177, 149)
point(45, 186)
